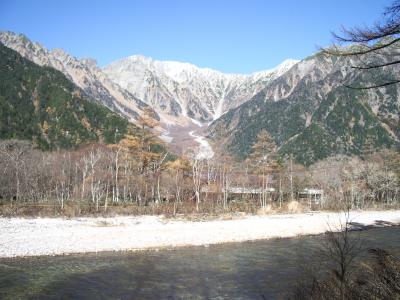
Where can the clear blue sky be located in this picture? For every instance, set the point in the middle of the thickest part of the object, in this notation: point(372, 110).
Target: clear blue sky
point(227, 35)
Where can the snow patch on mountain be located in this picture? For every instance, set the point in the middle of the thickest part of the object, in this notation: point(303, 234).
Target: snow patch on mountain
point(204, 151)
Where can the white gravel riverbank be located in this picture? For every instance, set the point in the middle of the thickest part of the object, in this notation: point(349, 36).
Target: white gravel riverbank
point(52, 236)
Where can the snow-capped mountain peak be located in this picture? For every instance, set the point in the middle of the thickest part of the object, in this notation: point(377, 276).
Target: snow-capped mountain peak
point(179, 88)
point(279, 70)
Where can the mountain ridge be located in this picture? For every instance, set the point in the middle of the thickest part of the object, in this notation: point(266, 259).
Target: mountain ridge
point(83, 72)
point(311, 115)
point(178, 88)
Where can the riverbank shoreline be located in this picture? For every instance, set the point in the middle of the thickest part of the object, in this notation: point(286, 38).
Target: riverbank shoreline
point(21, 237)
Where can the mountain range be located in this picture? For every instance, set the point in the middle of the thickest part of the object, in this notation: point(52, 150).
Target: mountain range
point(182, 89)
point(304, 105)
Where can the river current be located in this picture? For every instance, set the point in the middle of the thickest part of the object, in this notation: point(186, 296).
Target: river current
point(265, 269)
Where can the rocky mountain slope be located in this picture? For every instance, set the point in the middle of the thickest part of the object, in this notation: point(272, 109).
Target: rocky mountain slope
point(181, 89)
point(41, 104)
point(304, 105)
point(84, 73)
point(312, 115)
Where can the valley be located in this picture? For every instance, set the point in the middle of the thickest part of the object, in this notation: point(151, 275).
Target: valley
point(168, 117)
point(199, 149)
point(182, 95)
point(297, 102)
point(293, 101)
point(187, 139)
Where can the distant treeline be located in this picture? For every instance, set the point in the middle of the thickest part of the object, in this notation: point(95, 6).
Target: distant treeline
point(140, 174)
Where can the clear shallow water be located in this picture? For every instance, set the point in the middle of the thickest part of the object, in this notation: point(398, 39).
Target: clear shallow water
point(248, 270)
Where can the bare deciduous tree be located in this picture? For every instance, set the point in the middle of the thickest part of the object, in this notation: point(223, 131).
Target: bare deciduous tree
point(376, 47)
point(263, 158)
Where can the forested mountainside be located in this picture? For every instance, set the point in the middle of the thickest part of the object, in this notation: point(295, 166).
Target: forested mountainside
point(40, 104)
point(311, 114)
point(84, 73)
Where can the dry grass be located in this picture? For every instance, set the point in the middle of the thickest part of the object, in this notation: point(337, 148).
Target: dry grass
point(208, 210)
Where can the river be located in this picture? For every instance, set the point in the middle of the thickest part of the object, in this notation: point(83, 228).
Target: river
point(247, 270)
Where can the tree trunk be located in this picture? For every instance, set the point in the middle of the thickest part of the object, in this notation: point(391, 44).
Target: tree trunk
point(158, 189)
